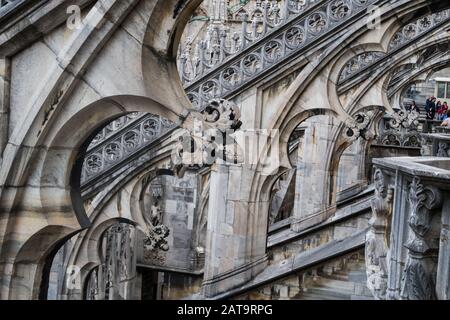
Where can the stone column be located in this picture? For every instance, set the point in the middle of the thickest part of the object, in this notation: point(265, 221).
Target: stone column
point(230, 259)
point(311, 191)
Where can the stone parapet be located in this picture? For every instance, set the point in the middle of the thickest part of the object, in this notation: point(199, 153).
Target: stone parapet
point(406, 246)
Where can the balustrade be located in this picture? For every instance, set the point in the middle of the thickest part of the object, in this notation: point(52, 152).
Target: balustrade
point(224, 62)
point(402, 37)
point(122, 139)
point(401, 129)
point(407, 249)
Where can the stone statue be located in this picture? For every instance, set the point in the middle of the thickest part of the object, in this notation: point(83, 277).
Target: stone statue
point(156, 214)
point(377, 246)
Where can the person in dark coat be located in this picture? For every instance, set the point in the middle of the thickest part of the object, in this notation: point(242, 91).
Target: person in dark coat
point(430, 108)
point(430, 101)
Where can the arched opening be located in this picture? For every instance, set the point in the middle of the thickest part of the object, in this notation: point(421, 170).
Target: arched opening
point(169, 260)
point(114, 278)
point(307, 141)
point(282, 195)
point(350, 174)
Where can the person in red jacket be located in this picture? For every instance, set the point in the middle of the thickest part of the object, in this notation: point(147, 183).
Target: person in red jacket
point(444, 110)
point(438, 110)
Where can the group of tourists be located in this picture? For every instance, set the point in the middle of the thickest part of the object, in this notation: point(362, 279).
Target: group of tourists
point(436, 110)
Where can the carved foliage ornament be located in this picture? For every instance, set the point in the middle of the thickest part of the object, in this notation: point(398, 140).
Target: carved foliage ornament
point(418, 281)
point(359, 127)
point(223, 115)
point(156, 238)
point(404, 119)
point(400, 129)
point(443, 150)
point(210, 139)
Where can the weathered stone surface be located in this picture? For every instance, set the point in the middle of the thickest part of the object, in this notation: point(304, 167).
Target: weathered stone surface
point(318, 78)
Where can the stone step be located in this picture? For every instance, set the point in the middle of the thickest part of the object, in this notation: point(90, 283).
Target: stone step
point(339, 285)
point(343, 276)
point(315, 297)
point(326, 294)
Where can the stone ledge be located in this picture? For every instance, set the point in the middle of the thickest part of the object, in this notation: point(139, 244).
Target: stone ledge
point(340, 215)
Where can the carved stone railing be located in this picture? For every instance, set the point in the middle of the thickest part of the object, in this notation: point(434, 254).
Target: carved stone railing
point(115, 126)
point(436, 145)
point(220, 43)
point(8, 6)
point(236, 70)
point(121, 140)
point(403, 37)
point(405, 129)
point(407, 248)
point(402, 129)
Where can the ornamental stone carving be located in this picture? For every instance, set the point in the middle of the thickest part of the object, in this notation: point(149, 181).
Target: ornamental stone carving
point(418, 281)
point(156, 233)
point(377, 243)
point(359, 127)
point(220, 43)
point(405, 35)
point(400, 130)
point(121, 139)
point(443, 150)
point(415, 29)
point(223, 115)
point(405, 119)
point(156, 238)
point(340, 9)
point(359, 63)
point(210, 139)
